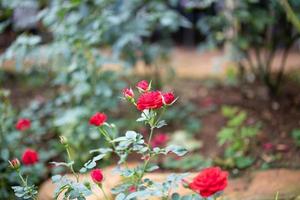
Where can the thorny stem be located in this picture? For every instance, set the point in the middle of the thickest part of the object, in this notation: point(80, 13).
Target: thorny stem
point(70, 160)
point(105, 196)
point(24, 182)
point(152, 126)
point(106, 135)
point(21, 177)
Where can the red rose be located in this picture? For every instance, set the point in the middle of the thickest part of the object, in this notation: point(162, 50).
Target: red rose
point(150, 100)
point(159, 140)
point(209, 181)
point(97, 176)
point(98, 119)
point(23, 124)
point(128, 93)
point(132, 189)
point(143, 86)
point(168, 98)
point(30, 157)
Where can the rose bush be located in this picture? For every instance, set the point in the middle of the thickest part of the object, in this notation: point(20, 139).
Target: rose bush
point(134, 185)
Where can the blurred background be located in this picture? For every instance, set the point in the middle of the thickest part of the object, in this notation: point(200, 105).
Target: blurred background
point(234, 65)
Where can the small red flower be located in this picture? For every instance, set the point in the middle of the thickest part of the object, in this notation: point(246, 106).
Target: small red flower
point(97, 176)
point(132, 189)
point(268, 146)
point(128, 93)
point(23, 124)
point(168, 98)
point(150, 100)
point(209, 181)
point(159, 140)
point(143, 86)
point(30, 157)
point(98, 119)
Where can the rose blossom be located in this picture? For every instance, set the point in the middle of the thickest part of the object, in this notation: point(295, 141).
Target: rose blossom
point(98, 119)
point(209, 181)
point(97, 176)
point(30, 157)
point(150, 100)
point(168, 98)
point(128, 93)
point(159, 140)
point(132, 189)
point(23, 124)
point(143, 86)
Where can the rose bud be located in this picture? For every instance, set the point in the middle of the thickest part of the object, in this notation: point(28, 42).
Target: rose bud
point(128, 93)
point(98, 119)
point(143, 86)
point(97, 176)
point(23, 124)
point(168, 98)
point(132, 189)
point(63, 140)
point(30, 157)
point(209, 181)
point(15, 163)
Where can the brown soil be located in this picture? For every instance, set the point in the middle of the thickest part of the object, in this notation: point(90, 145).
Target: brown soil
point(279, 116)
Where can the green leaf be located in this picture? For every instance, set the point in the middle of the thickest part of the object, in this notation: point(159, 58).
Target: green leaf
point(238, 119)
point(244, 162)
point(152, 168)
point(225, 135)
point(229, 111)
point(179, 151)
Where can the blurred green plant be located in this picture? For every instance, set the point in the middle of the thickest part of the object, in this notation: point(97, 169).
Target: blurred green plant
point(296, 135)
point(237, 136)
point(85, 36)
point(292, 16)
point(255, 31)
point(190, 162)
point(10, 138)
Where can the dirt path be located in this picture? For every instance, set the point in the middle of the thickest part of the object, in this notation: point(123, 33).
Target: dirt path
point(190, 63)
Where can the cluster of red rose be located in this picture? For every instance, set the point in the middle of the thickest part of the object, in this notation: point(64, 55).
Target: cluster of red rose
point(29, 156)
point(208, 182)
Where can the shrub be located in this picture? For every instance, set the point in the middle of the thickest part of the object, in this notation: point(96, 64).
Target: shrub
point(255, 30)
point(152, 106)
point(237, 136)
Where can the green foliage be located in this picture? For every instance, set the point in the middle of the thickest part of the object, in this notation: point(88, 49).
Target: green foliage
point(86, 35)
point(26, 192)
point(193, 161)
point(10, 139)
point(122, 146)
point(237, 136)
point(185, 139)
point(296, 135)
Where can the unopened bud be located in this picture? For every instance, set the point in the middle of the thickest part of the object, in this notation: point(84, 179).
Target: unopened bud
point(15, 163)
point(63, 140)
